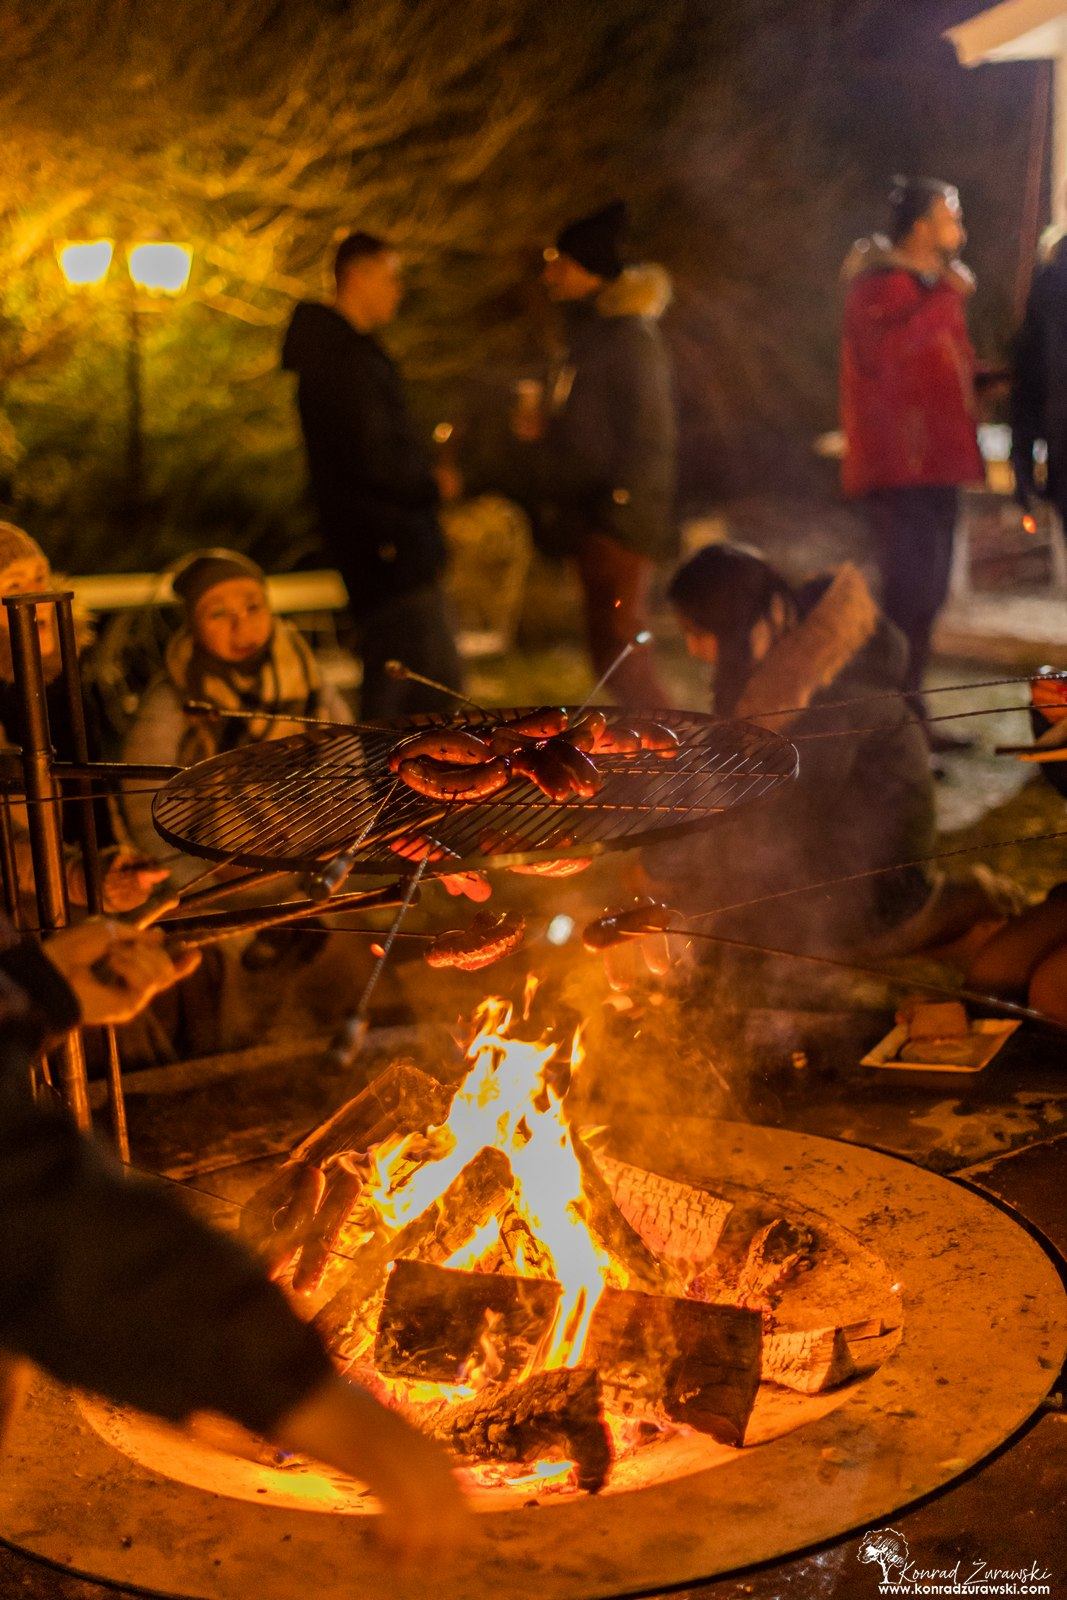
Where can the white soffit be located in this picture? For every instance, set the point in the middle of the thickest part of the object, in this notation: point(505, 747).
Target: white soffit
point(1017, 30)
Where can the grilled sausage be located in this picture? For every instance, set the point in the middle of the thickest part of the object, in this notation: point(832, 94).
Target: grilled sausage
point(540, 724)
point(618, 739)
point(568, 867)
point(657, 737)
point(631, 923)
point(441, 744)
point(544, 768)
point(585, 776)
point(488, 939)
point(420, 847)
point(449, 780)
point(471, 885)
point(587, 733)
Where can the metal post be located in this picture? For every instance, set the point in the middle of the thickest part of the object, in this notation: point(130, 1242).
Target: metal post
point(135, 473)
point(94, 885)
point(42, 808)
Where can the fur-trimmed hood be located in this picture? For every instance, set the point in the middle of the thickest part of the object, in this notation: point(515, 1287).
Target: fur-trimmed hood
point(838, 628)
point(639, 291)
point(878, 254)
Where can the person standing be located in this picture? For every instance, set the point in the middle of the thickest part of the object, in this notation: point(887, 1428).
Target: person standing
point(908, 405)
point(1039, 383)
point(606, 440)
point(372, 479)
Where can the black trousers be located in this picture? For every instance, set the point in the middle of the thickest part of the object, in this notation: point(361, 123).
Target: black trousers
point(412, 628)
point(913, 535)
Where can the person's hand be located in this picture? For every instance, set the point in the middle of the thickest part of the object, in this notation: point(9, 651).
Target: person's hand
point(424, 1517)
point(129, 879)
point(115, 971)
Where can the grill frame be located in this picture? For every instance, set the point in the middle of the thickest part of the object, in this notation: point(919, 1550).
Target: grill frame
point(722, 764)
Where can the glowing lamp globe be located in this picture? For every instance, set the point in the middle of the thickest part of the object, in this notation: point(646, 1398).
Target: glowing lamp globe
point(160, 268)
point(85, 261)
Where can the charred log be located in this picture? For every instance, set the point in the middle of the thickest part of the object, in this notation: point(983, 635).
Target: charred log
point(345, 1179)
point(808, 1362)
point(553, 1414)
point(473, 1196)
point(682, 1360)
point(280, 1216)
point(776, 1254)
point(402, 1100)
point(433, 1321)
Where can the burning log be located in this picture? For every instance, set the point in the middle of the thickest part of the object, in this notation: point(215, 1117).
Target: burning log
point(402, 1100)
point(612, 1231)
point(776, 1254)
point(677, 1221)
point(473, 1196)
point(523, 1248)
point(559, 1412)
point(808, 1361)
point(681, 1359)
point(345, 1179)
point(279, 1217)
point(433, 1320)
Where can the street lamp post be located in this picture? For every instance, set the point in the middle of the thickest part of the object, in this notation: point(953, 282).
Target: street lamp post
point(153, 269)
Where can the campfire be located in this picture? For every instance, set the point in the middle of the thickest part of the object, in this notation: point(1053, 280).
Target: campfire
point(542, 1308)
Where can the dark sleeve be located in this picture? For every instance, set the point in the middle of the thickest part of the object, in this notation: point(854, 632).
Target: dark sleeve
point(109, 1284)
point(643, 442)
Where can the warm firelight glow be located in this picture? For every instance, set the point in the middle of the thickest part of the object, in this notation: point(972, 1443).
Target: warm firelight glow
point(160, 268)
point(507, 1101)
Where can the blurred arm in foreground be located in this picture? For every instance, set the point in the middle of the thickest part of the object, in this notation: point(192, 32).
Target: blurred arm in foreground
point(110, 1285)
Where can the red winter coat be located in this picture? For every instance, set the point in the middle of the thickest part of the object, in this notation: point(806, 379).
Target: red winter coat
point(907, 380)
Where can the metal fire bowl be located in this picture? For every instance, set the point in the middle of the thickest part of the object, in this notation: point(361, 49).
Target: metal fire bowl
point(985, 1335)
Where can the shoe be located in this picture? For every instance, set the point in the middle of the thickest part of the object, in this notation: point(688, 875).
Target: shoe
point(944, 744)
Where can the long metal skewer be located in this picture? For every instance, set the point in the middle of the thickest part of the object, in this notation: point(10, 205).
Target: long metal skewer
point(638, 642)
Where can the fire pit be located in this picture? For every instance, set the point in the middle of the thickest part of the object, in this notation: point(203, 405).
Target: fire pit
point(646, 1290)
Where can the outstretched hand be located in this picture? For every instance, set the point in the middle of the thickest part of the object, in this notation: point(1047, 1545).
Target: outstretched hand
point(115, 971)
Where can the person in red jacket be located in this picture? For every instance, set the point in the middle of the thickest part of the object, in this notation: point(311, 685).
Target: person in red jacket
point(908, 405)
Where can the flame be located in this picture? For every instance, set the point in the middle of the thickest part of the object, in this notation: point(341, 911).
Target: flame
point(508, 1100)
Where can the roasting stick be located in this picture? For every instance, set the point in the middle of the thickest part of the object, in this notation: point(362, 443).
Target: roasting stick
point(353, 1030)
point(976, 997)
point(638, 642)
point(405, 674)
point(209, 711)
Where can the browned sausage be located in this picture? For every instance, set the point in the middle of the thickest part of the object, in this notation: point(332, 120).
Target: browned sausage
point(447, 780)
point(441, 744)
point(566, 868)
point(618, 739)
point(615, 927)
point(587, 733)
point(585, 776)
point(657, 737)
point(540, 724)
point(420, 847)
point(488, 939)
point(544, 768)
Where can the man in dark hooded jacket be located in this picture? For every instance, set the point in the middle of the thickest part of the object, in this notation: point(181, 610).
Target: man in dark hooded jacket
point(605, 444)
point(372, 478)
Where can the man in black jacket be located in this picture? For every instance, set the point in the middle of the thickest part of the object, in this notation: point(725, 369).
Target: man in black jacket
point(372, 479)
point(605, 447)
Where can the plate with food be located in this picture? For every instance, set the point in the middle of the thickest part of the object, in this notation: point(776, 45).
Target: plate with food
point(940, 1038)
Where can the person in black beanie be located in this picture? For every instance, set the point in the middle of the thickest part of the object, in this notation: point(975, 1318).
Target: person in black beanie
point(604, 444)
